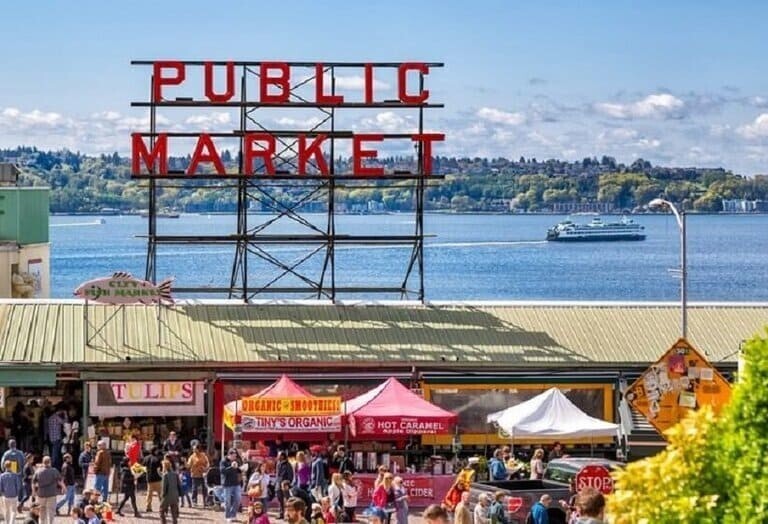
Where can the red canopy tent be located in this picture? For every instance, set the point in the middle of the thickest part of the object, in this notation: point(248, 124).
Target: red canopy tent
point(284, 407)
point(393, 410)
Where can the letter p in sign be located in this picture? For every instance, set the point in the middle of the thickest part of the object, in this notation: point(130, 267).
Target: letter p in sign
point(595, 476)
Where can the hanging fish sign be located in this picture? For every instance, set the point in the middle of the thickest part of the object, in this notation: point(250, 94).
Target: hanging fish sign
point(123, 288)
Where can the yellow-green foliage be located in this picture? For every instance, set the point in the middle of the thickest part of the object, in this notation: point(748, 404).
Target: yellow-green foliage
point(667, 487)
point(713, 470)
point(742, 443)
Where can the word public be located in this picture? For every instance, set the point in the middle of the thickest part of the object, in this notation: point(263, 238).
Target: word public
point(261, 148)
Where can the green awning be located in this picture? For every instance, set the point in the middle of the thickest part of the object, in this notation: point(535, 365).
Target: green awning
point(20, 377)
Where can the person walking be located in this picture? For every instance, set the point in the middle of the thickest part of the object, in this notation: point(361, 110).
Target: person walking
point(68, 476)
point(153, 465)
point(17, 460)
point(169, 493)
point(462, 513)
point(497, 514)
point(539, 513)
point(55, 434)
point(591, 505)
point(231, 480)
point(481, 509)
point(10, 488)
point(198, 464)
point(185, 486)
point(497, 467)
point(401, 501)
point(318, 479)
point(85, 459)
point(302, 471)
point(102, 467)
point(349, 496)
point(128, 487)
point(26, 479)
point(537, 465)
point(283, 472)
point(46, 484)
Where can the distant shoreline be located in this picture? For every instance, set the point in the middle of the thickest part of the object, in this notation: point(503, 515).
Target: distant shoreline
point(431, 212)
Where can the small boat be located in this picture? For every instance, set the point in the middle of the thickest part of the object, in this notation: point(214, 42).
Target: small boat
point(596, 230)
point(163, 213)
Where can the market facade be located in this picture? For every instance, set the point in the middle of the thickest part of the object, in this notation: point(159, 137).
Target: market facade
point(190, 360)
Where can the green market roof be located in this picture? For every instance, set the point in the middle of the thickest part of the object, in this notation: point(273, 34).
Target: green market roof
point(444, 334)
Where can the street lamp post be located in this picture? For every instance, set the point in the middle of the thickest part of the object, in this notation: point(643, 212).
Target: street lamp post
point(680, 217)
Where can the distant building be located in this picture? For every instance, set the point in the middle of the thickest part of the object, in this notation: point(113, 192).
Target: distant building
point(583, 207)
point(741, 205)
point(24, 242)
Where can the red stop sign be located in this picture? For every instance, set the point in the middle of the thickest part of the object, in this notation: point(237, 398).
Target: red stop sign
point(595, 476)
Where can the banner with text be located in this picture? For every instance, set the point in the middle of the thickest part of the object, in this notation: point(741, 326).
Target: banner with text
point(291, 406)
point(287, 424)
point(165, 399)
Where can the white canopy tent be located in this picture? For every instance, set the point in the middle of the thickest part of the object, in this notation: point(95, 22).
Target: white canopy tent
point(551, 415)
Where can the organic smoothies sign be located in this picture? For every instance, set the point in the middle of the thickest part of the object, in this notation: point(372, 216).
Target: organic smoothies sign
point(291, 406)
point(680, 381)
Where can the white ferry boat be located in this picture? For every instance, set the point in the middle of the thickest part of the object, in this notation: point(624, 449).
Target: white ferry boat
point(596, 230)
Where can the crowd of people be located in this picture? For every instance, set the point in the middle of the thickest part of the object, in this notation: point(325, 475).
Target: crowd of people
point(316, 484)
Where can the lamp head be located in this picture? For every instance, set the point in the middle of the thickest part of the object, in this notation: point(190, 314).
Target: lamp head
point(658, 203)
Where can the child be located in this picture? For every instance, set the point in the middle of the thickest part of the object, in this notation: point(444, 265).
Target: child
point(185, 485)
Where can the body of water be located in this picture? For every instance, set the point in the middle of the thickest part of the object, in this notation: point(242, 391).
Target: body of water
point(468, 257)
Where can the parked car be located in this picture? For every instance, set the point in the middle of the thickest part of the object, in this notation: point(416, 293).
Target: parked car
point(521, 495)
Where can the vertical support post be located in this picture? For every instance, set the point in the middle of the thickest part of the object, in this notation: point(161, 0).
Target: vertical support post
point(683, 278)
point(86, 340)
point(210, 386)
point(85, 420)
point(123, 322)
point(420, 197)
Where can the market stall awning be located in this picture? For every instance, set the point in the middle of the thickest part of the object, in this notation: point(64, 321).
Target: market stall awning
point(550, 415)
point(284, 407)
point(391, 409)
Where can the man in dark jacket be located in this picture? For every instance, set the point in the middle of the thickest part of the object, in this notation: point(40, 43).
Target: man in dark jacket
point(128, 487)
point(152, 463)
point(231, 479)
point(284, 472)
point(169, 493)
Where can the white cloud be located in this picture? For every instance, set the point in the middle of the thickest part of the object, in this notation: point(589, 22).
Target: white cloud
point(497, 116)
point(208, 120)
point(662, 105)
point(355, 82)
point(298, 123)
point(11, 116)
point(388, 122)
point(757, 129)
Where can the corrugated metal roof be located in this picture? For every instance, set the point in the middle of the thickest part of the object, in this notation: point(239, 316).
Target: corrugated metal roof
point(485, 335)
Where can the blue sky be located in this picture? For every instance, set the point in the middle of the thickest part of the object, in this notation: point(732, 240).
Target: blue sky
point(682, 84)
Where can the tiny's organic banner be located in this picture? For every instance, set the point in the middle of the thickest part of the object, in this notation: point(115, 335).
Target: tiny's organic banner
point(680, 381)
point(291, 424)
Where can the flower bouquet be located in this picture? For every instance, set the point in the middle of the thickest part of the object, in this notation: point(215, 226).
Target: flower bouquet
point(138, 470)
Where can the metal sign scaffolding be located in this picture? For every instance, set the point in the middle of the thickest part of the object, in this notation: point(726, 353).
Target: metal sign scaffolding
point(286, 250)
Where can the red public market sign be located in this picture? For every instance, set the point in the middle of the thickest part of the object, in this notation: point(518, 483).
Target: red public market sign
point(595, 476)
point(276, 81)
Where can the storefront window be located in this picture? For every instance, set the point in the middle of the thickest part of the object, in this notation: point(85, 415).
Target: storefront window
point(474, 405)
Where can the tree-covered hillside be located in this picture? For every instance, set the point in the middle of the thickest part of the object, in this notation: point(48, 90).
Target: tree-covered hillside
point(83, 183)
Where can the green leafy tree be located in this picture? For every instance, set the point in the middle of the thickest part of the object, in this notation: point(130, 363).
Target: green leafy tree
point(714, 470)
